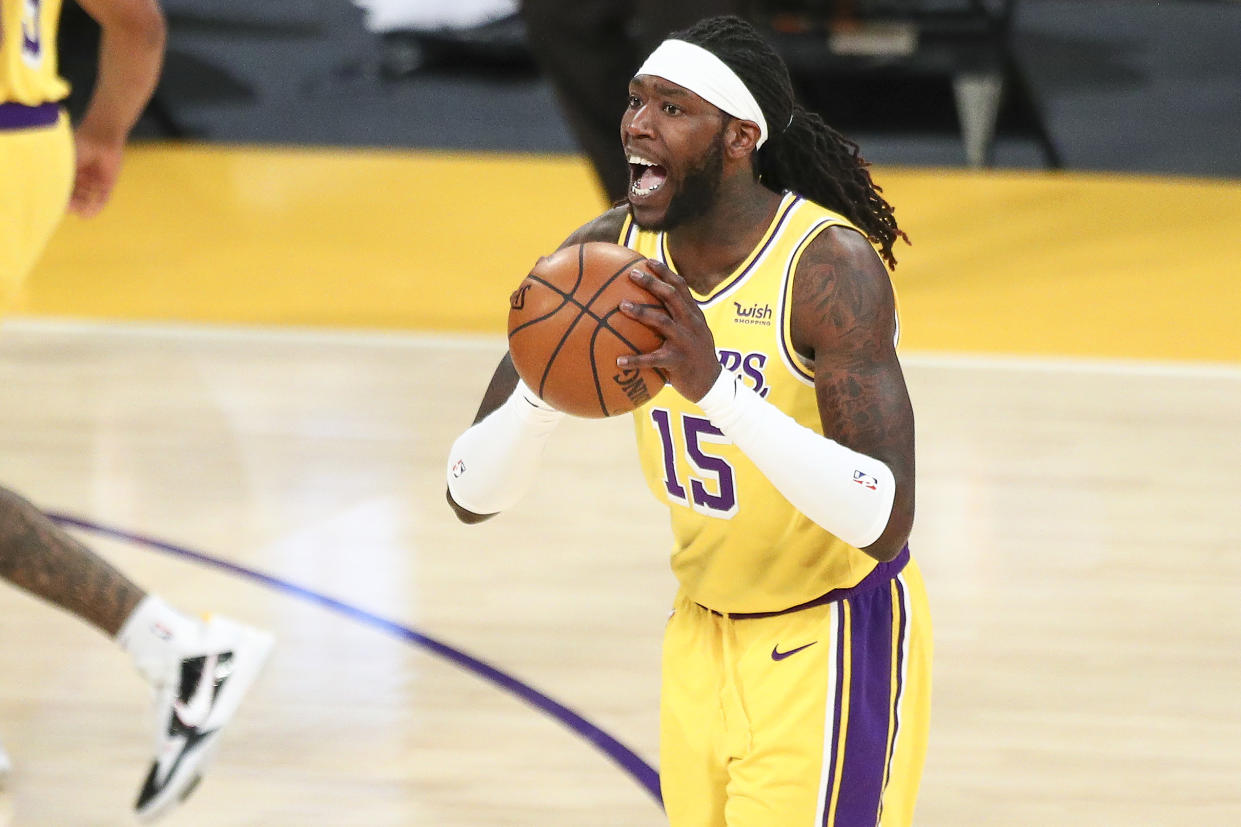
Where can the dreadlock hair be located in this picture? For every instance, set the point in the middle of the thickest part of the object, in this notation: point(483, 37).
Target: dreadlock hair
point(806, 155)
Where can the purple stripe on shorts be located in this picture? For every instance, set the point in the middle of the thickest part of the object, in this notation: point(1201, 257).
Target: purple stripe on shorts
point(19, 116)
point(870, 698)
point(836, 704)
point(899, 608)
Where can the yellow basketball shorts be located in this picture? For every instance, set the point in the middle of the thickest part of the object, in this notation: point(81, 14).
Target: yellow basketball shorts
point(814, 717)
point(36, 174)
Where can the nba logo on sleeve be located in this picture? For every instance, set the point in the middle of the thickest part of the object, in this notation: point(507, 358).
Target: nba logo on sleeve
point(865, 480)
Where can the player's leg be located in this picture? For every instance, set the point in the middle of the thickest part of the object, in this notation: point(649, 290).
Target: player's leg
point(908, 753)
point(36, 166)
point(692, 757)
point(207, 667)
point(824, 690)
point(788, 667)
point(199, 670)
point(40, 557)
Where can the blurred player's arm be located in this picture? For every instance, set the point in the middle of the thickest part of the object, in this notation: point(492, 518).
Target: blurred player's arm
point(131, 54)
point(493, 464)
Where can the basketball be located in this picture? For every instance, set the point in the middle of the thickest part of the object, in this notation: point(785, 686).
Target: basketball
point(565, 331)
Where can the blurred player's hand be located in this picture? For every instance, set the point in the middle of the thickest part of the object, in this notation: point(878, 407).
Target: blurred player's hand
point(98, 164)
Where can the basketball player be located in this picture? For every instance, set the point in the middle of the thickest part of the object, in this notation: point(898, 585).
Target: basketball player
point(796, 670)
point(200, 670)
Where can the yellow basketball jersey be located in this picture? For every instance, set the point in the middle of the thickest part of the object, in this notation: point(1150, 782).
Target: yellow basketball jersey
point(740, 546)
point(28, 69)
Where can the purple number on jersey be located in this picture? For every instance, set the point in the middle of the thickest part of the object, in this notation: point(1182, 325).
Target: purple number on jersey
point(675, 490)
point(723, 503)
point(710, 471)
point(32, 46)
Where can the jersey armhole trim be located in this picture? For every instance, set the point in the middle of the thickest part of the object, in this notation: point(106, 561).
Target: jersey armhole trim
point(796, 364)
point(625, 238)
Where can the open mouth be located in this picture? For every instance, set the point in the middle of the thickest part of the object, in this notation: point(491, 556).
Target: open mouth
point(645, 176)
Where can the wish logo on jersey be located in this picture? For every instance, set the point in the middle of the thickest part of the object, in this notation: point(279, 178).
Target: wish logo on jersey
point(754, 314)
point(749, 365)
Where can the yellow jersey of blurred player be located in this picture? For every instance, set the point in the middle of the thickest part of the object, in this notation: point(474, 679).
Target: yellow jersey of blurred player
point(44, 165)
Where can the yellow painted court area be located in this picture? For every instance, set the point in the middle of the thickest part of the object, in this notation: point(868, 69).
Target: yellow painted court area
point(1021, 263)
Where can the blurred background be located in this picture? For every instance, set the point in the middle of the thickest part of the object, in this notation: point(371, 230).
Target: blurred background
point(291, 125)
point(1117, 85)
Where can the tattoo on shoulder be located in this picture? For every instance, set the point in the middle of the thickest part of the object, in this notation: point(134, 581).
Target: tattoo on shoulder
point(844, 319)
point(842, 297)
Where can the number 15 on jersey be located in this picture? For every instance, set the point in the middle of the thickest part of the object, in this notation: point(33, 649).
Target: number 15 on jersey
point(712, 483)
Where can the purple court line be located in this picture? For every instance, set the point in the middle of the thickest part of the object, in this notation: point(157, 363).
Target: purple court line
point(621, 755)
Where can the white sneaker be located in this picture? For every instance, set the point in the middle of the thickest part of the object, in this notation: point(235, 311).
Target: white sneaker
point(6, 765)
point(201, 694)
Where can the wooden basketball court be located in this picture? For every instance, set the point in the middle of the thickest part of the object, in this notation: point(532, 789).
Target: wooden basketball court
point(244, 398)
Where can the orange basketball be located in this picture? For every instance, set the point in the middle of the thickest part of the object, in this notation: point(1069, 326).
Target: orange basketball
point(565, 330)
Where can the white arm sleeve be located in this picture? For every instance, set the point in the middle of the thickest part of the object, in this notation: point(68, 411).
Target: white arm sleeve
point(847, 493)
point(492, 465)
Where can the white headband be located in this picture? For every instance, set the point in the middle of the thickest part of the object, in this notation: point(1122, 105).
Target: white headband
point(708, 77)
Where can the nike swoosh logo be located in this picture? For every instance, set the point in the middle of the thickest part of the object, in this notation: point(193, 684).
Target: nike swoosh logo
point(213, 670)
point(776, 654)
point(188, 719)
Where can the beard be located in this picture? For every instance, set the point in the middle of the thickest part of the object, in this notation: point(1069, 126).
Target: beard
point(698, 190)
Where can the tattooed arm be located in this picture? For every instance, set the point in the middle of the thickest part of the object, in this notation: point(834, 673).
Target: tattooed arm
point(844, 319)
point(40, 557)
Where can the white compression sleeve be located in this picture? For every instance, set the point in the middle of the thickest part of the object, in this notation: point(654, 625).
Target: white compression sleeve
point(492, 465)
point(847, 493)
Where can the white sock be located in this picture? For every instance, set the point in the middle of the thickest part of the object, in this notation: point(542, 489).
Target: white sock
point(156, 635)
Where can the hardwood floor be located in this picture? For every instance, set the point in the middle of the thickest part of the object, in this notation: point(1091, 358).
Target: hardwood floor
point(1077, 528)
